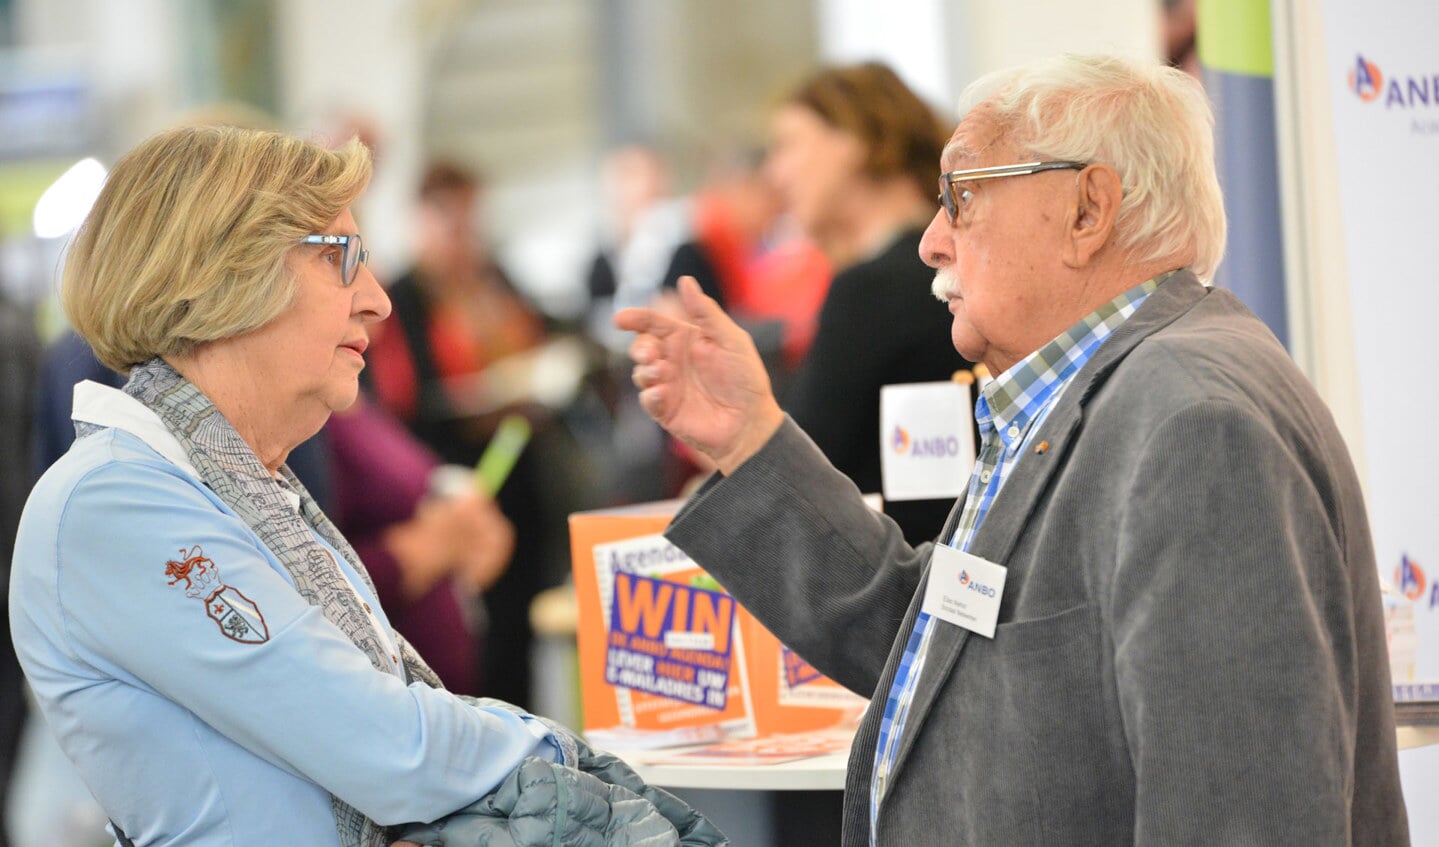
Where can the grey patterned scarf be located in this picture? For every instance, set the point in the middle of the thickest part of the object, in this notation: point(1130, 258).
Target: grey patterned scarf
point(230, 468)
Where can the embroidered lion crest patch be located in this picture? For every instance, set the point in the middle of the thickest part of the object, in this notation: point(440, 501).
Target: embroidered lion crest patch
point(237, 616)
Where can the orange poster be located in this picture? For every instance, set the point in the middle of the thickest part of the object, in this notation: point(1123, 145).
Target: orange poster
point(664, 648)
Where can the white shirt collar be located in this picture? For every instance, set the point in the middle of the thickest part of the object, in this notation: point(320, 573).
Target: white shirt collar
point(110, 407)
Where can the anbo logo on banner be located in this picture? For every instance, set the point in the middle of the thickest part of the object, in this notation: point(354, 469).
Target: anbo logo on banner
point(1411, 581)
point(1367, 82)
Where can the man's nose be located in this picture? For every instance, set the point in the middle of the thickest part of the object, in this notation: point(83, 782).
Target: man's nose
point(936, 248)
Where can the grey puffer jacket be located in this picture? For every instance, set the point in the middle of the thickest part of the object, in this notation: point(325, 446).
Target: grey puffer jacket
point(599, 802)
point(541, 804)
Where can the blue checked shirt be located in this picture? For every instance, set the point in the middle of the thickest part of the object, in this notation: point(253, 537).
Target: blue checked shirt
point(1008, 411)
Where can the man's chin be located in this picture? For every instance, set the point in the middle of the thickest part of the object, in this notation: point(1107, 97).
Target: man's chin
point(965, 341)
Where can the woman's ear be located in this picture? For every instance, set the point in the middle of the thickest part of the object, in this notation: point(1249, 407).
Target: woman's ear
point(1098, 194)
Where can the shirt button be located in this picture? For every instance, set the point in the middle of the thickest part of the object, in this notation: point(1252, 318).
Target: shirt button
point(1014, 432)
point(985, 475)
point(394, 658)
point(367, 607)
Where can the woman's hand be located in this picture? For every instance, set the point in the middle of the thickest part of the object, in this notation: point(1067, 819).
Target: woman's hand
point(423, 548)
point(486, 541)
point(465, 536)
point(701, 378)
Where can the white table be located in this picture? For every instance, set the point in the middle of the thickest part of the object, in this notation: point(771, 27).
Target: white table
point(824, 773)
point(1417, 736)
point(819, 773)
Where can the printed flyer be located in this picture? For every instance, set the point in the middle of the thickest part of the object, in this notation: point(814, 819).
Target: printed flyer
point(668, 657)
point(800, 684)
point(671, 638)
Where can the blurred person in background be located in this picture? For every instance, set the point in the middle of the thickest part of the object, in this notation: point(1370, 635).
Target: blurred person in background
point(729, 216)
point(207, 648)
point(1179, 35)
point(643, 225)
point(853, 155)
point(456, 313)
point(429, 551)
point(788, 282)
point(646, 225)
point(743, 248)
point(19, 351)
point(746, 255)
point(455, 316)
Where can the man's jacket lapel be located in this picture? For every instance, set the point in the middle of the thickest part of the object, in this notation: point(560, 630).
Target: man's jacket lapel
point(1013, 509)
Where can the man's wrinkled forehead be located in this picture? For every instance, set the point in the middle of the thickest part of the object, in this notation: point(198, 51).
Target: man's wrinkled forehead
point(978, 133)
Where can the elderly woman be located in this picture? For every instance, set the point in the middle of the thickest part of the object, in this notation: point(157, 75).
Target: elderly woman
point(205, 645)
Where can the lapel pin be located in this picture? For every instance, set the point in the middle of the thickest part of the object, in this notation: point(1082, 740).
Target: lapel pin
point(1040, 448)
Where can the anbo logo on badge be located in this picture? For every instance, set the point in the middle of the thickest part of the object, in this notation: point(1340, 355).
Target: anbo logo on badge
point(975, 585)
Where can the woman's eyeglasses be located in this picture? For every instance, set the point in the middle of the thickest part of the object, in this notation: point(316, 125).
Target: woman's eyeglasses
point(352, 254)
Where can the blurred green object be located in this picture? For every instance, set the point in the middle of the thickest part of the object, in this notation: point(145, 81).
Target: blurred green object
point(1235, 36)
point(503, 451)
point(21, 184)
point(705, 581)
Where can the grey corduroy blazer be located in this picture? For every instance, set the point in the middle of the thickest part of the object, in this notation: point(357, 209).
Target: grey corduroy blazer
point(1191, 644)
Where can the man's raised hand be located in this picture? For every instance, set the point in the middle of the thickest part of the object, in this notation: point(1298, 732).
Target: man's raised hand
point(701, 378)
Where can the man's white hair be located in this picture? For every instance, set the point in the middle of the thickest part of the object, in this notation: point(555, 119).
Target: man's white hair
point(1149, 122)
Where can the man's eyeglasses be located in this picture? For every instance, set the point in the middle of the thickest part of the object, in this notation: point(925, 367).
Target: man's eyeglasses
point(352, 253)
point(950, 201)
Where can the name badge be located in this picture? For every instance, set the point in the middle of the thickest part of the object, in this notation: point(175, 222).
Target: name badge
point(964, 590)
point(926, 448)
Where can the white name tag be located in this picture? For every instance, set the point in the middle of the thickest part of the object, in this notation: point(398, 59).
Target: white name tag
point(926, 434)
point(964, 590)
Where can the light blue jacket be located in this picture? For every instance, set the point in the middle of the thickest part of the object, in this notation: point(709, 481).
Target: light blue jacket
point(188, 727)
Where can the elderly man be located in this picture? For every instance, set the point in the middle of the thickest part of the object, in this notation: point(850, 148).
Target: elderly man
point(1154, 618)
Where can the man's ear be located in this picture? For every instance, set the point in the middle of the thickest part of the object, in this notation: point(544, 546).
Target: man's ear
point(1098, 194)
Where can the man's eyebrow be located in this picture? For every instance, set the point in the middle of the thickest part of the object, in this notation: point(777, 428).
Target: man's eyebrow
point(956, 151)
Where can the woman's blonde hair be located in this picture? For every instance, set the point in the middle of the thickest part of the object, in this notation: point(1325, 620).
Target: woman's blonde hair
point(187, 241)
point(1151, 123)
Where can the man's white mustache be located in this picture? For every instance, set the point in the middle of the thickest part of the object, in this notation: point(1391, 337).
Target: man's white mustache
point(945, 285)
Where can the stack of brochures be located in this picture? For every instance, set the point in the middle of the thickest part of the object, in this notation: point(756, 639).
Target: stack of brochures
point(1416, 703)
point(628, 738)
